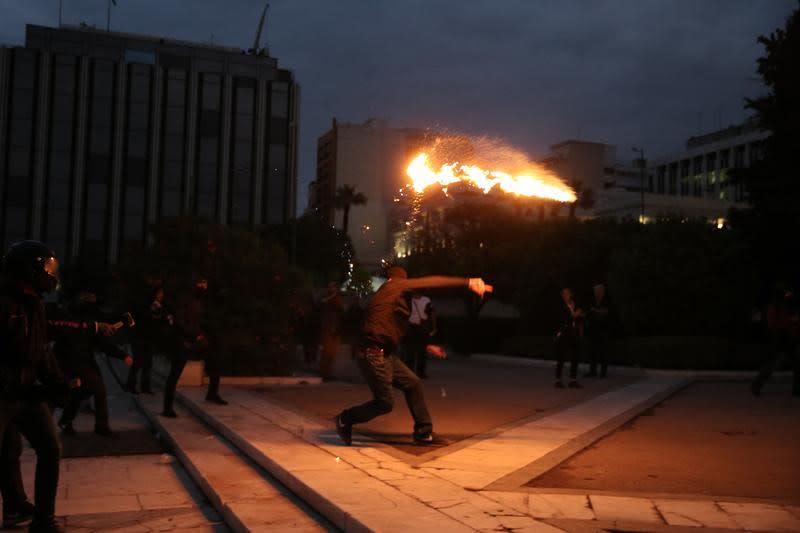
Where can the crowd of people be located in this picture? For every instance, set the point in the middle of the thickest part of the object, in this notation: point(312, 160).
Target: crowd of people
point(47, 355)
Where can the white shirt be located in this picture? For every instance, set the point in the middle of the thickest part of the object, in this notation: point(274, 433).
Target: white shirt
point(419, 305)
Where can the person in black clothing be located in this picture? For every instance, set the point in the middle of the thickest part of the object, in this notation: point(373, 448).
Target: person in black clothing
point(783, 327)
point(153, 324)
point(421, 329)
point(568, 338)
point(599, 328)
point(75, 355)
point(384, 327)
point(29, 380)
point(193, 343)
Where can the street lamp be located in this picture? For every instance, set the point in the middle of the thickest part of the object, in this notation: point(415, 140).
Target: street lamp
point(640, 151)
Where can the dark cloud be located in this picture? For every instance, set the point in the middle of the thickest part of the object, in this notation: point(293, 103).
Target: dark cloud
point(634, 72)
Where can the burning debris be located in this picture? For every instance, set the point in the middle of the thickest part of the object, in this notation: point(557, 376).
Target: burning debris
point(462, 160)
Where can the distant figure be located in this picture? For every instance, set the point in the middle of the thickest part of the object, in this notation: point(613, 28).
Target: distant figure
point(153, 324)
point(330, 324)
point(783, 326)
point(75, 355)
point(385, 325)
point(193, 343)
point(306, 327)
point(599, 329)
point(421, 328)
point(568, 338)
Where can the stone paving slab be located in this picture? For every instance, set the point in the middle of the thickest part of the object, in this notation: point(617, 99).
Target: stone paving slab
point(247, 499)
point(761, 517)
point(356, 487)
point(479, 465)
point(695, 513)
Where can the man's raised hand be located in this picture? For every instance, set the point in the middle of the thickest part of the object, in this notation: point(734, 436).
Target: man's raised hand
point(434, 350)
point(479, 287)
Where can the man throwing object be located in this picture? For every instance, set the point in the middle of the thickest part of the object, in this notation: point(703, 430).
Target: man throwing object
point(384, 327)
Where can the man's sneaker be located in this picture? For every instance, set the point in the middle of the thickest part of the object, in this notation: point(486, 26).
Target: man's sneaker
point(217, 399)
point(345, 431)
point(18, 516)
point(426, 440)
point(46, 525)
point(66, 427)
point(169, 413)
point(575, 385)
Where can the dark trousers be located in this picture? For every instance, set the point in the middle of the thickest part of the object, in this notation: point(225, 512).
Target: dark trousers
point(178, 363)
point(416, 342)
point(780, 352)
point(11, 486)
point(34, 421)
point(567, 348)
point(91, 385)
point(598, 354)
point(142, 362)
point(382, 372)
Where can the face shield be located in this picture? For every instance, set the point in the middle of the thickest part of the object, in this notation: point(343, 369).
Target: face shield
point(50, 269)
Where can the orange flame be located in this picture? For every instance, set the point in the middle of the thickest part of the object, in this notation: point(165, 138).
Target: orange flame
point(540, 184)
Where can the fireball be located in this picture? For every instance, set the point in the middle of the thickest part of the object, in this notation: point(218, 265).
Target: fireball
point(534, 183)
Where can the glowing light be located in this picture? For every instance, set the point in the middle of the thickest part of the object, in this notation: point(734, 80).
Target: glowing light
point(539, 184)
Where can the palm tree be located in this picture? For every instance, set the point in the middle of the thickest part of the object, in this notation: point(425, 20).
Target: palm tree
point(346, 197)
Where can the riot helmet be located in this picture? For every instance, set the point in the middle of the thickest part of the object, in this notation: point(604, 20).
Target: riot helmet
point(32, 262)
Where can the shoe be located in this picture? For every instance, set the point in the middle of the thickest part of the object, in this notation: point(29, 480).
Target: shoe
point(559, 384)
point(66, 427)
point(46, 525)
point(24, 513)
point(169, 413)
point(105, 432)
point(345, 431)
point(575, 385)
point(217, 399)
point(425, 440)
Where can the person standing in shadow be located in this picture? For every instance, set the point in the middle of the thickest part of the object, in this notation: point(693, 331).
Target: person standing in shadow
point(567, 340)
point(599, 328)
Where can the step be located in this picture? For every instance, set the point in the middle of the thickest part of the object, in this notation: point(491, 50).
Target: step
point(248, 498)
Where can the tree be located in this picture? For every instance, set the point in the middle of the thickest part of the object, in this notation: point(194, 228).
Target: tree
point(346, 197)
point(771, 182)
point(585, 198)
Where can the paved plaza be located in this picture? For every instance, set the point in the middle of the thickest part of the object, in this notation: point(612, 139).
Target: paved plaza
point(639, 451)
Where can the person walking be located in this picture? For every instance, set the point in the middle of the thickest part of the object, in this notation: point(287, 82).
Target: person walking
point(567, 338)
point(75, 353)
point(154, 323)
point(385, 325)
point(193, 342)
point(783, 327)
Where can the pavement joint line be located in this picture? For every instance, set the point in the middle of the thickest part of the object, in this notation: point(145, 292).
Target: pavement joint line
point(527, 449)
point(576, 445)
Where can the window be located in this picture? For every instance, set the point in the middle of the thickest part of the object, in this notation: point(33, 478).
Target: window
point(673, 178)
point(660, 179)
point(276, 185)
point(173, 143)
point(279, 100)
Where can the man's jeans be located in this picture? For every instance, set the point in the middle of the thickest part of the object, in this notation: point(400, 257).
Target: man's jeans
point(35, 421)
point(382, 372)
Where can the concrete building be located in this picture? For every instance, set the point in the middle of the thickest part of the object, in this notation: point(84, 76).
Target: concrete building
point(373, 158)
point(103, 133)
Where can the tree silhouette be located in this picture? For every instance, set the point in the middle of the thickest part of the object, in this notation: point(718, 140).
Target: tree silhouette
point(346, 197)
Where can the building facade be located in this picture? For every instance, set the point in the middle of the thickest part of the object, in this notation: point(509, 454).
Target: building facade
point(103, 133)
point(373, 158)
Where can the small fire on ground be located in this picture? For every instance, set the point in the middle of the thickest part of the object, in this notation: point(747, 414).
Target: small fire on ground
point(444, 165)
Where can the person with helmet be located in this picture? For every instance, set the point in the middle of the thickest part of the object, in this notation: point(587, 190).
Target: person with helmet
point(384, 327)
point(29, 380)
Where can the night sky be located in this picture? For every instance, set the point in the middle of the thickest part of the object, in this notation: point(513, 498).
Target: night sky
point(638, 72)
